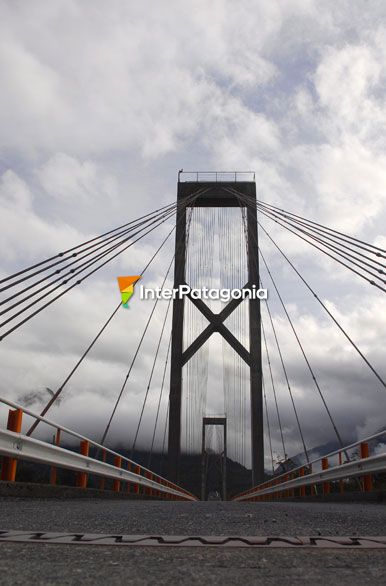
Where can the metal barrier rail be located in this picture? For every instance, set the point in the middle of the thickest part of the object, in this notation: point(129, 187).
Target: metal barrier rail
point(216, 176)
point(304, 475)
point(361, 467)
point(15, 445)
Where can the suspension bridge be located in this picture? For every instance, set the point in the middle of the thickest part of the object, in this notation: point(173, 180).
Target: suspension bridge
point(212, 424)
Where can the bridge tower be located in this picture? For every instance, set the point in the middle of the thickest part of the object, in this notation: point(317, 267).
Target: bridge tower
point(222, 422)
point(216, 193)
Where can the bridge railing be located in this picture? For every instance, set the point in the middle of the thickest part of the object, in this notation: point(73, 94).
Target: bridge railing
point(215, 176)
point(14, 446)
point(317, 476)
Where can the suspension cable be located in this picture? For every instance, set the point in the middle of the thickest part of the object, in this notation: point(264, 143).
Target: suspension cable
point(134, 359)
point(164, 439)
point(85, 353)
point(150, 377)
point(80, 255)
point(268, 424)
point(304, 354)
point(324, 234)
point(62, 254)
point(48, 303)
point(268, 213)
point(354, 345)
point(342, 236)
point(274, 389)
point(140, 341)
point(299, 342)
point(78, 282)
point(370, 281)
point(286, 378)
point(347, 256)
point(74, 272)
point(353, 241)
point(159, 401)
point(71, 273)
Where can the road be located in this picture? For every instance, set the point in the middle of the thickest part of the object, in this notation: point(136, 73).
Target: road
point(83, 564)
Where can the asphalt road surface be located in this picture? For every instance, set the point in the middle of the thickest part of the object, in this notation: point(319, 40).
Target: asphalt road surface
point(82, 564)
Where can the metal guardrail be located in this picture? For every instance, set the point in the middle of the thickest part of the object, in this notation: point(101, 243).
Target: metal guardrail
point(16, 445)
point(354, 469)
point(20, 446)
point(305, 475)
point(215, 176)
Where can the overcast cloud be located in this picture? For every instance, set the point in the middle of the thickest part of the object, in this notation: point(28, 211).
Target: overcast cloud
point(102, 103)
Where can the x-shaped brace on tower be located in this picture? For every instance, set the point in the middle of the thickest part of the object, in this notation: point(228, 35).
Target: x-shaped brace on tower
point(216, 324)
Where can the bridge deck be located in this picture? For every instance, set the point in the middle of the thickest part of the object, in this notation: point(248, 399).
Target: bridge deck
point(200, 518)
point(85, 564)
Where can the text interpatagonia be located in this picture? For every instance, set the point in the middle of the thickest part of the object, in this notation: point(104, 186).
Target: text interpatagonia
point(202, 293)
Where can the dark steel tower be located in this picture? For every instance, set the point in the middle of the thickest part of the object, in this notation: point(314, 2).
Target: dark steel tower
point(217, 194)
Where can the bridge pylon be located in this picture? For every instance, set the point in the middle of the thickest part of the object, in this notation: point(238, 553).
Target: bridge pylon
point(222, 422)
point(216, 194)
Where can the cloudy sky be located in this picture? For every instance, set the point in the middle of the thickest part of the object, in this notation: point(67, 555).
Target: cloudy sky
point(102, 103)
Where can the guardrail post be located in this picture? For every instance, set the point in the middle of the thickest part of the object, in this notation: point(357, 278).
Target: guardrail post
point(102, 481)
point(53, 470)
point(313, 490)
point(146, 490)
point(156, 491)
point(136, 486)
point(9, 467)
point(326, 485)
point(341, 483)
point(82, 477)
point(150, 490)
point(292, 490)
point(117, 483)
point(367, 479)
point(129, 484)
point(302, 490)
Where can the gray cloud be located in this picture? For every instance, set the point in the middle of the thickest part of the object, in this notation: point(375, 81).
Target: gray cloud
point(99, 108)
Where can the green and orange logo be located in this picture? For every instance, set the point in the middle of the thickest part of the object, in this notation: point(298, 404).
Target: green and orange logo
point(126, 287)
